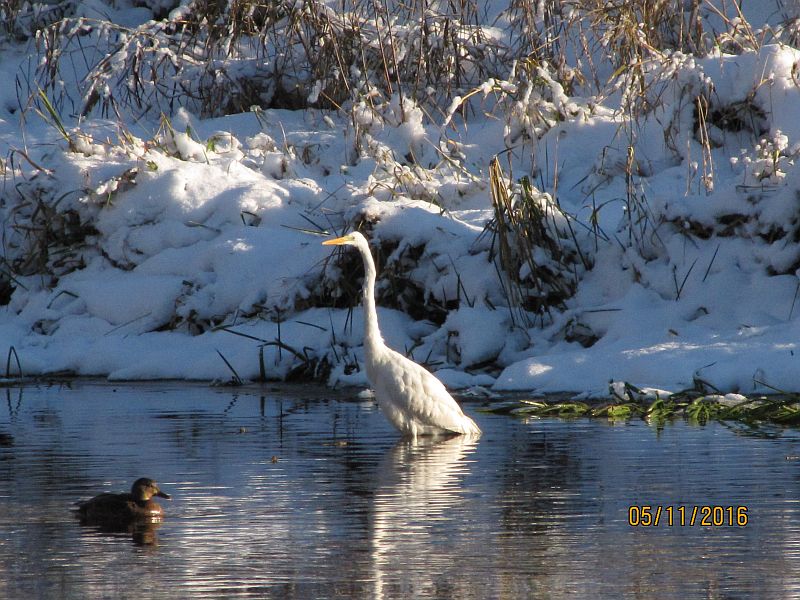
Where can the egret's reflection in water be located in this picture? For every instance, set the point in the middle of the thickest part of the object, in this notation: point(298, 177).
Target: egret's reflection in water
point(344, 509)
point(418, 502)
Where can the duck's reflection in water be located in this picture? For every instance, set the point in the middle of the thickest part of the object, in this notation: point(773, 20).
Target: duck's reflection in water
point(142, 532)
point(415, 512)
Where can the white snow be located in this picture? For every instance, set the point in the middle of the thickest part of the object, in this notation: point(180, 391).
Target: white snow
point(209, 228)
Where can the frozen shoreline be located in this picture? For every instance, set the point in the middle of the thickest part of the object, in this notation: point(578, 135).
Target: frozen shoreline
point(671, 251)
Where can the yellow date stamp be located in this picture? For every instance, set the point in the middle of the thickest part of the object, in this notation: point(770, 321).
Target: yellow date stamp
point(707, 515)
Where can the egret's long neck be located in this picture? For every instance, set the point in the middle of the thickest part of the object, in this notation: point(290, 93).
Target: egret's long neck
point(372, 333)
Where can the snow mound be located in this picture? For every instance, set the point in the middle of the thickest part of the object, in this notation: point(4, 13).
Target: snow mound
point(533, 233)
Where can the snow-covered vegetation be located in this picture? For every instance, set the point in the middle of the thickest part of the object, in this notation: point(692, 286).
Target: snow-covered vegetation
point(558, 194)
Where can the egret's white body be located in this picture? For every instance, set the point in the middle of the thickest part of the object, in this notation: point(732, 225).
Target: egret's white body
point(412, 399)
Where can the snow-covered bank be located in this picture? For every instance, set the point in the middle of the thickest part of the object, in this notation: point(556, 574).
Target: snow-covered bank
point(658, 239)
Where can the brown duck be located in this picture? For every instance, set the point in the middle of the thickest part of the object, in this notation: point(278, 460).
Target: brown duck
point(124, 509)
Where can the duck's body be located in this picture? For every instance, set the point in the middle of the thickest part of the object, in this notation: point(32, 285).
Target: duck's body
point(410, 397)
point(122, 509)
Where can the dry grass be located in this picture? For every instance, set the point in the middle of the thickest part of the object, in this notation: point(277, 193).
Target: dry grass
point(219, 58)
point(535, 244)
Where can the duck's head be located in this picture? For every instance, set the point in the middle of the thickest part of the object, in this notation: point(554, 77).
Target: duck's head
point(143, 489)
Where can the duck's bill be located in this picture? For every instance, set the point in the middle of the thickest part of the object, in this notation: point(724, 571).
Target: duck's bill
point(161, 494)
point(336, 242)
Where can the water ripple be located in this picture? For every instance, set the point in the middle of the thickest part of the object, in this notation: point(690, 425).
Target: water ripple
point(301, 493)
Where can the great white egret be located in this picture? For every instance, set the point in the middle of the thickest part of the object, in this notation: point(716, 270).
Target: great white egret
point(412, 399)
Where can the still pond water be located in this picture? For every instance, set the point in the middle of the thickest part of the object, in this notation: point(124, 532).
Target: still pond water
point(308, 493)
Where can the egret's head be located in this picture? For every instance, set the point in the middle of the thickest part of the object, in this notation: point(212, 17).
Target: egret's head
point(351, 239)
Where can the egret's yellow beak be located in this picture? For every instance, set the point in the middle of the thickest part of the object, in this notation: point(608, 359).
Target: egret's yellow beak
point(337, 242)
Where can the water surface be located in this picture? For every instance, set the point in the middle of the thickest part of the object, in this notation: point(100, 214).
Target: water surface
point(308, 493)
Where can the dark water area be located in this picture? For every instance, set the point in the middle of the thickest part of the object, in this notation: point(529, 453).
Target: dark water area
point(307, 493)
